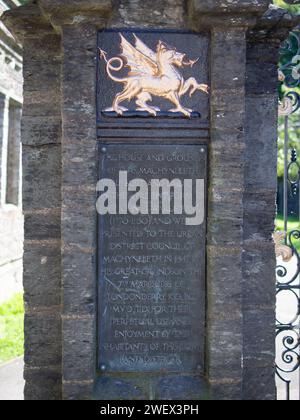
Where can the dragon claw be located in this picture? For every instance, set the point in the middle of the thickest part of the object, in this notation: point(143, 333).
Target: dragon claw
point(205, 88)
point(118, 111)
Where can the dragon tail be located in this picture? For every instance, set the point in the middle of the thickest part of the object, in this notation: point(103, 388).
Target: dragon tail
point(110, 67)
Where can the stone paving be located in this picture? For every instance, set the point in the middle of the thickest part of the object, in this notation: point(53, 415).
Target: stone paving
point(11, 381)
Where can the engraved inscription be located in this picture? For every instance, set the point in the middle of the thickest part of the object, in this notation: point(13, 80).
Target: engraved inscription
point(151, 271)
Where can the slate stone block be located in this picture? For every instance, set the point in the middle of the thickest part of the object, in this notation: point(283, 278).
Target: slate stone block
point(259, 282)
point(77, 391)
point(181, 388)
point(42, 339)
point(259, 344)
point(110, 388)
point(226, 391)
point(259, 384)
point(41, 177)
point(80, 290)
point(42, 384)
point(42, 275)
point(225, 338)
point(79, 346)
point(42, 226)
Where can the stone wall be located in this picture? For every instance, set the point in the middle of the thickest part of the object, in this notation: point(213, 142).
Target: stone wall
point(60, 171)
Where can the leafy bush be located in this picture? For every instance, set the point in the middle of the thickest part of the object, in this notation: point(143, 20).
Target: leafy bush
point(291, 8)
point(12, 328)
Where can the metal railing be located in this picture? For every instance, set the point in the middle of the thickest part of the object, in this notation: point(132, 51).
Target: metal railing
point(288, 241)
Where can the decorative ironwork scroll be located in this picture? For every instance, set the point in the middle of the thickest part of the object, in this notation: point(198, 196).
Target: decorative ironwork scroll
point(289, 74)
point(287, 243)
point(288, 321)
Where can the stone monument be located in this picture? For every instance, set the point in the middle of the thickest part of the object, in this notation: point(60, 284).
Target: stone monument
point(145, 306)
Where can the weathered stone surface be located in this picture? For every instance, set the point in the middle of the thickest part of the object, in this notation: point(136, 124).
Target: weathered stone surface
point(150, 14)
point(109, 388)
point(224, 325)
point(273, 26)
point(261, 146)
point(41, 136)
point(225, 334)
point(42, 275)
point(226, 391)
point(225, 294)
point(181, 388)
point(259, 280)
point(42, 226)
point(42, 384)
point(42, 173)
point(79, 289)
point(33, 130)
point(259, 214)
point(26, 20)
point(230, 6)
point(259, 384)
point(79, 348)
point(76, 391)
point(224, 231)
point(69, 6)
point(42, 339)
point(79, 147)
point(262, 76)
point(77, 154)
point(259, 336)
point(79, 220)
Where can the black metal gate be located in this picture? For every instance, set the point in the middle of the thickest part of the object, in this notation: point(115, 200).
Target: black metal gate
point(287, 236)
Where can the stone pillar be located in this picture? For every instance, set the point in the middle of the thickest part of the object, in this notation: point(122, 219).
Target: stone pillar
point(61, 170)
point(225, 221)
point(41, 138)
point(78, 24)
point(259, 262)
point(225, 247)
point(243, 186)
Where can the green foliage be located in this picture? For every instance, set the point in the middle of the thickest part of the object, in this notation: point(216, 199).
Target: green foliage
point(12, 328)
point(291, 8)
point(294, 223)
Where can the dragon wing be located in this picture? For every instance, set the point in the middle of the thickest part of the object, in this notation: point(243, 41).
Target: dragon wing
point(139, 45)
point(138, 61)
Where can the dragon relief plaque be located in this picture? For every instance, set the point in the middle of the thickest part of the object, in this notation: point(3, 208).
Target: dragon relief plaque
point(150, 75)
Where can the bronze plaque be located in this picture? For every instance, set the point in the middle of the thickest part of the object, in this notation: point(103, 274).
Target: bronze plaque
point(152, 266)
